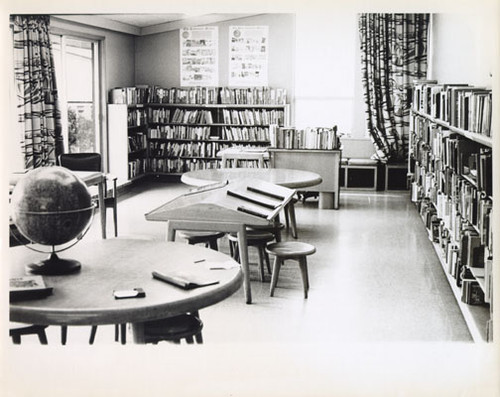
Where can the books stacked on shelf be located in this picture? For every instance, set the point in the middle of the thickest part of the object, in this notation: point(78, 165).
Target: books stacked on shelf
point(170, 149)
point(262, 117)
point(195, 116)
point(137, 142)
point(309, 138)
point(198, 95)
point(159, 115)
point(253, 96)
point(252, 134)
point(179, 132)
point(136, 117)
point(459, 105)
point(136, 167)
point(180, 165)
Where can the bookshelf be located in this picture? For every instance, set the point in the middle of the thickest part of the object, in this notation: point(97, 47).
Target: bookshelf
point(310, 149)
point(183, 129)
point(450, 163)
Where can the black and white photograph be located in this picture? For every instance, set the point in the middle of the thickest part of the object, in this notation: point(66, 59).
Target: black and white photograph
point(250, 198)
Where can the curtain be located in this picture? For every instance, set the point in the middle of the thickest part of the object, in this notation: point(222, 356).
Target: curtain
point(38, 108)
point(393, 55)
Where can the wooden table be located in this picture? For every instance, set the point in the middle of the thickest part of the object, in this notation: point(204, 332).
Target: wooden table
point(86, 298)
point(216, 210)
point(293, 179)
point(90, 178)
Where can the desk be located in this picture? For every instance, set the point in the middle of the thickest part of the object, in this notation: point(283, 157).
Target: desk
point(86, 298)
point(325, 162)
point(216, 210)
point(90, 178)
point(293, 179)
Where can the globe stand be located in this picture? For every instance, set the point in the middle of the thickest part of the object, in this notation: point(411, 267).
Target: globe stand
point(54, 266)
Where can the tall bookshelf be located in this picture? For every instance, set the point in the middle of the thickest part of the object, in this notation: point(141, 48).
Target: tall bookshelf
point(450, 161)
point(183, 129)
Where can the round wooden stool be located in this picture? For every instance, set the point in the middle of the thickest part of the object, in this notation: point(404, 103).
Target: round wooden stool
point(295, 250)
point(173, 329)
point(255, 238)
point(207, 238)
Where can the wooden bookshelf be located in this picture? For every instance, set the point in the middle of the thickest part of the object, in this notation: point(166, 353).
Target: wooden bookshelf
point(189, 127)
point(451, 170)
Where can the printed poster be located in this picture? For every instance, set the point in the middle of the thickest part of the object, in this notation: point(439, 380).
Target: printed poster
point(248, 55)
point(199, 56)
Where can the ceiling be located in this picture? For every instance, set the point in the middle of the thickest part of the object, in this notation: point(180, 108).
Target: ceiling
point(146, 24)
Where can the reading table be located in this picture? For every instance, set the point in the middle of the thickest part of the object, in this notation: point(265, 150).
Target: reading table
point(86, 297)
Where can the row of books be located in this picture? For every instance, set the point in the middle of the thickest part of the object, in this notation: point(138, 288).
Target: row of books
point(136, 167)
point(195, 116)
point(137, 142)
point(137, 117)
point(253, 116)
point(308, 138)
point(180, 165)
point(180, 132)
point(143, 94)
point(443, 152)
point(251, 134)
point(466, 107)
point(187, 149)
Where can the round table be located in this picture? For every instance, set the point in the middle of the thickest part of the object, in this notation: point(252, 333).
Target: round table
point(293, 179)
point(86, 298)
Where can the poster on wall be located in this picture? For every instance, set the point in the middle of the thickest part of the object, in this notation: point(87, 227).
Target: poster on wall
point(248, 52)
point(199, 57)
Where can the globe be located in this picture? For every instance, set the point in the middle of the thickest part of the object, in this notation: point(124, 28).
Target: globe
point(51, 206)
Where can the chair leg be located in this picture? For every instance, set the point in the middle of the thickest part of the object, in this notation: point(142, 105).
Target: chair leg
point(274, 277)
point(123, 333)
point(305, 279)
point(42, 337)
point(260, 250)
point(64, 334)
point(199, 338)
point(189, 340)
point(93, 332)
point(117, 332)
point(115, 219)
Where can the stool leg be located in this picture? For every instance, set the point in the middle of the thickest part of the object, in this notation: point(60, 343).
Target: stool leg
point(268, 264)
point(42, 337)
point(260, 250)
point(93, 332)
point(123, 333)
point(305, 278)
point(274, 277)
point(189, 340)
point(290, 209)
point(64, 334)
point(213, 244)
point(117, 332)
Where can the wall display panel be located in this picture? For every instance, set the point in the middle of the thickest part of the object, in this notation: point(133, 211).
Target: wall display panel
point(199, 56)
point(248, 55)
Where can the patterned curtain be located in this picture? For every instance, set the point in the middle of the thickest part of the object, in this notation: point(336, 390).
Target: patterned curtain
point(38, 107)
point(393, 54)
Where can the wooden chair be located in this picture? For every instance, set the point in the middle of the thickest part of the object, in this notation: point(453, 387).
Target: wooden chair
point(93, 162)
point(173, 329)
point(16, 330)
point(295, 250)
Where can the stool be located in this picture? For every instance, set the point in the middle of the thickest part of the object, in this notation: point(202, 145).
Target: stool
point(16, 330)
point(258, 239)
point(207, 238)
point(173, 329)
point(295, 250)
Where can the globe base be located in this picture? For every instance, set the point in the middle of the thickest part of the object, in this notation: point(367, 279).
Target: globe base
point(54, 266)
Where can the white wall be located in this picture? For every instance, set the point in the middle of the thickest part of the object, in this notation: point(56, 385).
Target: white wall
point(157, 56)
point(464, 48)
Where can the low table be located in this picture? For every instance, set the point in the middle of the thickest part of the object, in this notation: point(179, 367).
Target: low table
point(86, 297)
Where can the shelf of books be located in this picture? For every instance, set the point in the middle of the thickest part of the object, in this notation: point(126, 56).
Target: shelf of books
point(184, 128)
point(450, 158)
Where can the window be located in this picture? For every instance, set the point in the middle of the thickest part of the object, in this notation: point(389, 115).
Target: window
point(77, 75)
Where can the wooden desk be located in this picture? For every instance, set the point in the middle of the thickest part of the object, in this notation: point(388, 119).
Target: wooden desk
point(216, 210)
point(324, 162)
point(293, 179)
point(86, 298)
point(90, 178)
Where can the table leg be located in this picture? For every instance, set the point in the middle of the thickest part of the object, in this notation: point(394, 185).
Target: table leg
point(138, 333)
point(243, 247)
point(170, 231)
point(102, 208)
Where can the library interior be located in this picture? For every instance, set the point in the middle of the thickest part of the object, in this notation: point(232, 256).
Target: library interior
point(190, 181)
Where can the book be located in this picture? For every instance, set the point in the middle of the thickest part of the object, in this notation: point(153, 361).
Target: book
point(28, 287)
point(185, 280)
